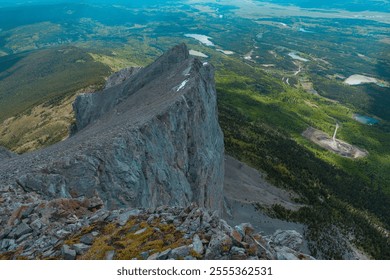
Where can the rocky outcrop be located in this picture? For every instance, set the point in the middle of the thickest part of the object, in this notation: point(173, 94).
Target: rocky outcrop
point(90, 107)
point(81, 229)
point(152, 140)
point(120, 76)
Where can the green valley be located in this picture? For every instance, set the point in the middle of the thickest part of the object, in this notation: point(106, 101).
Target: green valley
point(45, 78)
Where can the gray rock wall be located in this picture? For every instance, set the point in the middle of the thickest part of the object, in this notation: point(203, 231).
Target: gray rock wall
point(161, 145)
point(90, 107)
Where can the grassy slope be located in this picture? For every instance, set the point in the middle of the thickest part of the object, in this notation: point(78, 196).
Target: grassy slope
point(262, 120)
point(42, 76)
point(36, 92)
point(266, 100)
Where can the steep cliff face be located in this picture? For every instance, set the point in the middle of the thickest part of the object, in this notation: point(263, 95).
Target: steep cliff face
point(152, 140)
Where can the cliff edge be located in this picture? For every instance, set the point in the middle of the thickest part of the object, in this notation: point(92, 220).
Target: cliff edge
point(146, 157)
point(151, 140)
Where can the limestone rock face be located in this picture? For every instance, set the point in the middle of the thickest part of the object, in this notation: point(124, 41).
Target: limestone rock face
point(152, 140)
point(90, 107)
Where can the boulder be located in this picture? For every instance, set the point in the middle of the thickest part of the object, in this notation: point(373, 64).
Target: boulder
point(287, 238)
point(220, 243)
point(197, 244)
point(87, 239)
point(109, 256)
point(124, 217)
point(238, 253)
point(20, 230)
point(80, 248)
point(180, 252)
point(160, 256)
point(68, 253)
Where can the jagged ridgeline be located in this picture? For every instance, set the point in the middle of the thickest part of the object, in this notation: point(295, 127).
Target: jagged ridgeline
point(151, 140)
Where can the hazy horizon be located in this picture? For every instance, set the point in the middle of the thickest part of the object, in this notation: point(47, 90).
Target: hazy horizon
point(354, 6)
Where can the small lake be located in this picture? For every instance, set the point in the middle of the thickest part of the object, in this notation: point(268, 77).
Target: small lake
point(365, 119)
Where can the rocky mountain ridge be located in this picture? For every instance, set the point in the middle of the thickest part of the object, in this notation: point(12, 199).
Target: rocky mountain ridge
point(152, 140)
point(143, 149)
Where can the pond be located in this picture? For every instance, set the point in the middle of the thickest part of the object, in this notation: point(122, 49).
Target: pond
point(365, 119)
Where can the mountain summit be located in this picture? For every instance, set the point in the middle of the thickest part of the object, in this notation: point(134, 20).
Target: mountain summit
point(146, 158)
point(152, 140)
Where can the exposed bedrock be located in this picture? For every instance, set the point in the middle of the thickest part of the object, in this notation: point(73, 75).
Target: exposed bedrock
point(152, 140)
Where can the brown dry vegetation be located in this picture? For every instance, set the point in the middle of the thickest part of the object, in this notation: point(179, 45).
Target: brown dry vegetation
point(39, 127)
point(130, 240)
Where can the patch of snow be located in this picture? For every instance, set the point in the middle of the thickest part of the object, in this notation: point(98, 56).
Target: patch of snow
point(305, 31)
point(268, 65)
point(185, 101)
point(201, 38)
point(225, 52)
point(199, 54)
point(248, 56)
point(182, 85)
point(187, 71)
point(297, 57)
